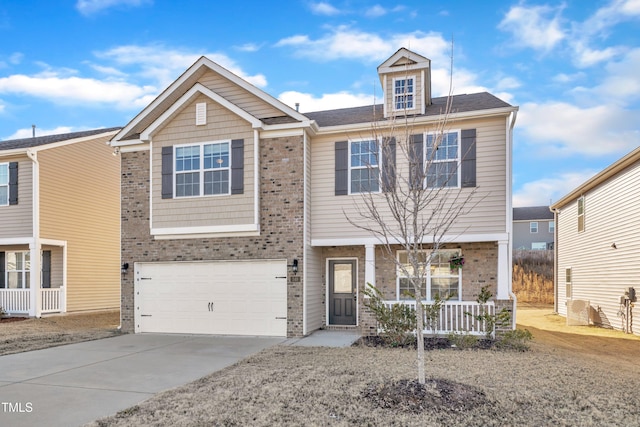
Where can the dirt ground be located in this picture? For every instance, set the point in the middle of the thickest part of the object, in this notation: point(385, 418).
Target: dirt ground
point(54, 330)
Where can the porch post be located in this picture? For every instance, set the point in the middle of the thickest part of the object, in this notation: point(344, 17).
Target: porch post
point(370, 264)
point(504, 265)
point(35, 273)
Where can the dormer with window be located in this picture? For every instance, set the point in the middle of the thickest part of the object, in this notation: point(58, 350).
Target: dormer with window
point(406, 83)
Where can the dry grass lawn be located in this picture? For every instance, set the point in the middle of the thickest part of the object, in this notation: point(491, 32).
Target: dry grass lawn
point(54, 330)
point(588, 378)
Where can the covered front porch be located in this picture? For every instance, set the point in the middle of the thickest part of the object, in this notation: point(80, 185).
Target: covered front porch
point(24, 293)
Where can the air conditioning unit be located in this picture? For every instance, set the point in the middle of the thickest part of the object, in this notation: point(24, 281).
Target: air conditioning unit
point(578, 312)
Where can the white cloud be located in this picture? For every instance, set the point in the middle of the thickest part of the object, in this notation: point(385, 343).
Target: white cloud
point(77, 90)
point(324, 8)
point(165, 65)
point(562, 129)
point(540, 192)
point(89, 7)
point(249, 47)
point(309, 102)
point(375, 11)
point(536, 27)
point(28, 132)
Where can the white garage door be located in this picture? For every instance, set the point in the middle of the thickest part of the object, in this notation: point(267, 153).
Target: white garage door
point(213, 297)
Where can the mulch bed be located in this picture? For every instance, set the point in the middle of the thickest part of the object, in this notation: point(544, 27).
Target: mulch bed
point(430, 343)
point(12, 319)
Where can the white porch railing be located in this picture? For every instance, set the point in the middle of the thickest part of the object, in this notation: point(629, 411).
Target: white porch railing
point(16, 301)
point(453, 317)
point(50, 300)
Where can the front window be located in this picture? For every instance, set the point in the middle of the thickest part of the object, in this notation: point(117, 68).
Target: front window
point(403, 93)
point(4, 184)
point(364, 167)
point(442, 159)
point(202, 170)
point(533, 227)
point(439, 279)
point(17, 270)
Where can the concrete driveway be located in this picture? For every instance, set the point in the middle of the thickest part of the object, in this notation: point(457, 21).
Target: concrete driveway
point(75, 384)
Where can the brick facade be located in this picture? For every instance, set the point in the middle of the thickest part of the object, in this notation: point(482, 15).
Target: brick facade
point(281, 225)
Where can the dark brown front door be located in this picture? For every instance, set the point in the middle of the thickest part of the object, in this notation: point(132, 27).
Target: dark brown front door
point(342, 292)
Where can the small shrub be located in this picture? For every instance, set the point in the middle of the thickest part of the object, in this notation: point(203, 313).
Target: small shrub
point(517, 339)
point(397, 322)
point(490, 320)
point(463, 341)
point(2, 312)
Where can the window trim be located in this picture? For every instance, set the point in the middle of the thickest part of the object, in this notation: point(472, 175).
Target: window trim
point(568, 283)
point(552, 227)
point(412, 93)
point(25, 272)
point(581, 210)
point(531, 227)
point(5, 185)
point(351, 168)
point(458, 160)
point(428, 276)
point(201, 171)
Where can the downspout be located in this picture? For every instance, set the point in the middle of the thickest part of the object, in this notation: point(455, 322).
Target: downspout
point(36, 249)
point(514, 115)
point(556, 212)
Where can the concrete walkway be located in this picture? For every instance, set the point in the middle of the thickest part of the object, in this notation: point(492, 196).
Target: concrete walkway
point(75, 384)
point(324, 338)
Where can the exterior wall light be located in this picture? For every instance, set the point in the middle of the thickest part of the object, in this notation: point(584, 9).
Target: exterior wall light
point(294, 266)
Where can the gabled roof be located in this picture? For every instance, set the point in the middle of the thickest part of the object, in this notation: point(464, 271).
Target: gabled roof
point(16, 144)
point(182, 85)
point(532, 213)
point(374, 113)
point(404, 60)
point(614, 169)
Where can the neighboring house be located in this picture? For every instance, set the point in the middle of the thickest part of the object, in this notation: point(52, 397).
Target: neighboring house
point(59, 223)
point(598, 247)
point(233, 205)
point(533, 228)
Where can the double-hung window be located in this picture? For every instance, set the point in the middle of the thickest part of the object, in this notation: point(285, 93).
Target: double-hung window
point(438, 278)
point(443, 159)
point(533, 227)
point(581, 214)
point(363, 166)
point(18, 267)
point(403, 93)
point(4, 184)
point(202, 169)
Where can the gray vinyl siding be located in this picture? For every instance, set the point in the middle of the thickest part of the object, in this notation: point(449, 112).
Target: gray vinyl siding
point(328, 213)
point(208, 210)
point(313, 267)
point(523, 238)
point(17, 220)
point(601, 273)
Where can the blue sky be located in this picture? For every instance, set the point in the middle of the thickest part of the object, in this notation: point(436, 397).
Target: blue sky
point(573, 67)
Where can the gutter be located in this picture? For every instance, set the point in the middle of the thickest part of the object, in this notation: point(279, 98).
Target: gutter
point(511, 125)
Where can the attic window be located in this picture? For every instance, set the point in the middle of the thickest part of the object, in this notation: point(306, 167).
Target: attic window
point(201, 113)
point(403, 93)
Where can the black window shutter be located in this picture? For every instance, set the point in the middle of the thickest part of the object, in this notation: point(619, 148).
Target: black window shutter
point(237, 166)
point(167, 172)
point(468, 167)
point(389, 164)
point(342, 168)
point(46, 269)
point(2, 283)
point(13, 183)
point(416, 167)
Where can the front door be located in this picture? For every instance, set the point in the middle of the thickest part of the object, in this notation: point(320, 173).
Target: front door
point(342, 292)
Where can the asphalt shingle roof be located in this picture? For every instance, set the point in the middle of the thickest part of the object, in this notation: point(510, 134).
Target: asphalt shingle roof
point(374, 113)
point(14, 144)
point(532, 213)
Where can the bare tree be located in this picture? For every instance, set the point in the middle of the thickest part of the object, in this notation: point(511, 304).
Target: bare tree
point(412, 199)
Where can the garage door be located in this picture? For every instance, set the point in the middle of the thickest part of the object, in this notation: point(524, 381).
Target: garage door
point(217, 297)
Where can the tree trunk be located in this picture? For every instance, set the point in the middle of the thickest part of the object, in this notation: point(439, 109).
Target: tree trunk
point(420, 341)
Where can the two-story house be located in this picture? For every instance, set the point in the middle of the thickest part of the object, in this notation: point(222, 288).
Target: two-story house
point(597, 276)
point(59, 223)
point(533, 228)
point(235, 206)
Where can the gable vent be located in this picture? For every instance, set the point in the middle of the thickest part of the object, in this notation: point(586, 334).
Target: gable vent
point(201, 113)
